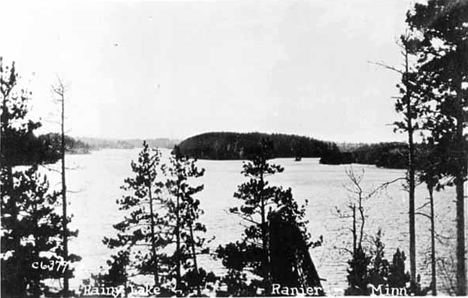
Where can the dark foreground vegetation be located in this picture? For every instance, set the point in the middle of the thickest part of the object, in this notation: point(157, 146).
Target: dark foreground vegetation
point(34, 229)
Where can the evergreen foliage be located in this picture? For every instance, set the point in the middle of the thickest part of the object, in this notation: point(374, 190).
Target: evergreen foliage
point(260, 203)
point(162, 235)
point(358, 275)
point(372, 268)
point(184, 210)
point(38, 225)
point(142, 227)
point(439, 26)
point(117, 273)
point(31, 227)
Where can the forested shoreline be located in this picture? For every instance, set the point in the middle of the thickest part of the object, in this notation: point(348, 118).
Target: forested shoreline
point(222, 146)
point(233, 145)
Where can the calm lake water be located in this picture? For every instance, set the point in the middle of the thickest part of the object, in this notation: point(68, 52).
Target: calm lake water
point(95, 181)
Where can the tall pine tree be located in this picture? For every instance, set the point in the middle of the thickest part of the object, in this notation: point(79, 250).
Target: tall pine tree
point(184, 207)
point(260, 203)
point(143, 227)
point(443, 79)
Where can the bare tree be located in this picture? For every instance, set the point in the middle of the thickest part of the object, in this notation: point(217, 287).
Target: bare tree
point(359, 198)
point(356, 204)
point(60, 90)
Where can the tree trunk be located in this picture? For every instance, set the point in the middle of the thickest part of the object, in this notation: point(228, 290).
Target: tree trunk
point(178, 259)
point(460, 171)
point(64, 200)
point(36, 285)
point(195, 261)
point(153, 240)
point(363, 221)
point(461, 259)
point(354, 230)
point(459, 179)
point(266, 252)
point(433, 259)
point(412, 225)
point(411, 171)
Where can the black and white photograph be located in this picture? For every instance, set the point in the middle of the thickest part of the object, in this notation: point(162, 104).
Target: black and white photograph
point(233, 148)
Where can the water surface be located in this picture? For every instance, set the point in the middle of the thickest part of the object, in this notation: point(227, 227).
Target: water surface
point(95, 181)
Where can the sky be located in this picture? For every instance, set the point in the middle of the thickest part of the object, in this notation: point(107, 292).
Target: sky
point(175, 69)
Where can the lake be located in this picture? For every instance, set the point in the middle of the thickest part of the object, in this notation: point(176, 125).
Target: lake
point(95, 179)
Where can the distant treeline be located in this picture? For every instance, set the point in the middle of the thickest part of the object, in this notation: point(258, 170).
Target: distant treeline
point(72, 145)
point(30, 149)
point(100, 143)
point(385, 155)
point(232, 145)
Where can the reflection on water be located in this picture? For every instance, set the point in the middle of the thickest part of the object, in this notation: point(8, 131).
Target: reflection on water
point(95, 181)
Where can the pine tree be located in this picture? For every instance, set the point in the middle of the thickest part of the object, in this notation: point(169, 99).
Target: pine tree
point(117, 274)
point(260, 202)
point(358, 275)
point(442, 76)
point(30, 225)
point(38, 226)
point(408, 106)
point(397, 276)
point(184, 208)
point(371, 268)
point(143, 230)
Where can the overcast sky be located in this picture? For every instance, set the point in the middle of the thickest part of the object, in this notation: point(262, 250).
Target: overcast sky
point(176, 69)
